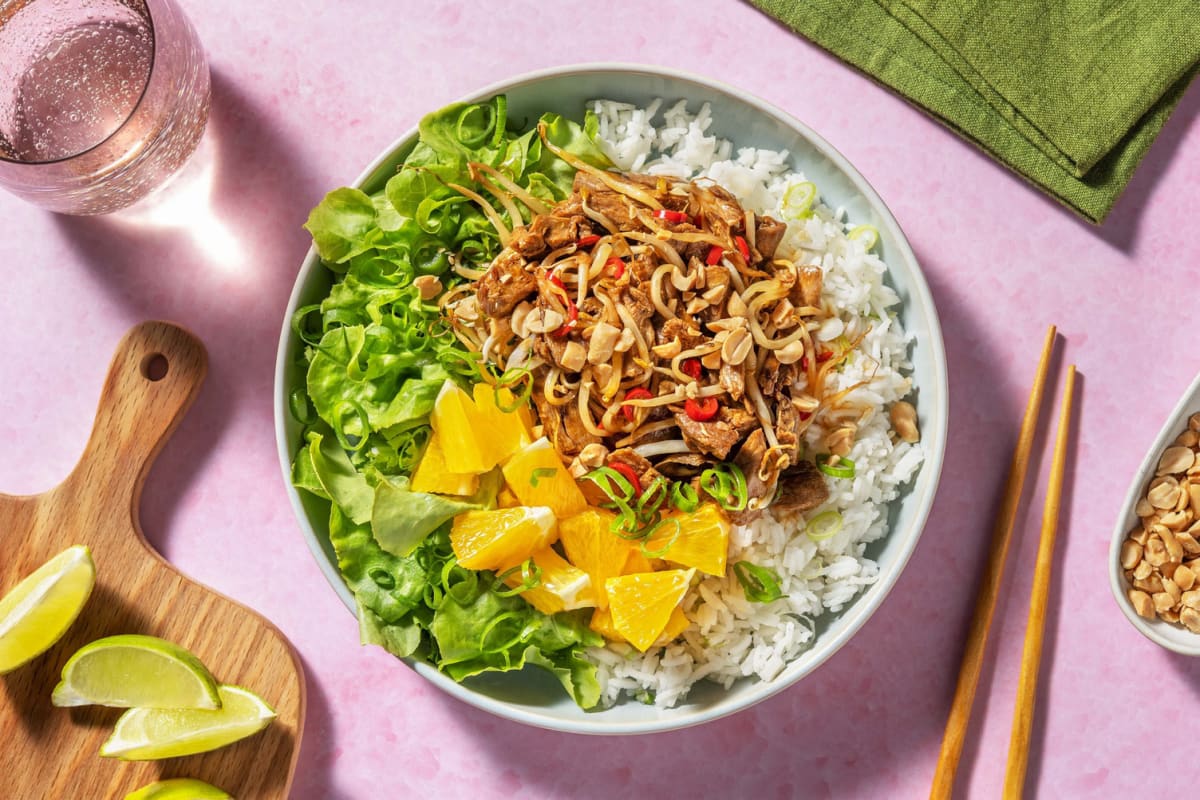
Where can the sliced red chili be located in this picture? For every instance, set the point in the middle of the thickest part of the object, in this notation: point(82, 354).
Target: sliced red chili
point(804, 362)
point(572, 309)
point(628, 474)
point(701, 410)
point(636, 393)
point(742, 247)
point(671, 216)
point(804, 415)
point(714, 255)
point(691, 368)
point(587, 241)
point(572, 318)
point(618, 266)
point(824, 356)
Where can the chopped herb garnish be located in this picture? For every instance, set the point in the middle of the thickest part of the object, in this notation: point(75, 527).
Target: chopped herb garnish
point(835, 466)
point(531, 576)
point(824, 526)
point(541, 472)
point(726, 483)
point(684, 497)
point(759, 584)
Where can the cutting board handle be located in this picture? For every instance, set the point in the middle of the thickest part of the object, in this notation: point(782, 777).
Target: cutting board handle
point(153, 378)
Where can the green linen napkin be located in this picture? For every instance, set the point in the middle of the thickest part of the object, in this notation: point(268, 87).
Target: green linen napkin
point(1069, 93)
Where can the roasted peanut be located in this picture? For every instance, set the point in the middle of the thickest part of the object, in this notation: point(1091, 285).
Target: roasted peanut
point(904, 420)
point(1176, 460)
point(1131, 554)
point(1184, 578)
point(428, 286)
point(1142, 603)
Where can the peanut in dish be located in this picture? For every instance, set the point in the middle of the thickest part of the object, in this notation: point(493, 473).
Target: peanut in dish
point(1161, 556)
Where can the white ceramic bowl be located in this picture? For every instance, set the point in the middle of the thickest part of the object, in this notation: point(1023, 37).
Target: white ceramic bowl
point(1172, 637)
point(535, 698)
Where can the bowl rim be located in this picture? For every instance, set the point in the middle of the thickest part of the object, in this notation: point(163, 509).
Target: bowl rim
point(935, 424)
point(1151, 629)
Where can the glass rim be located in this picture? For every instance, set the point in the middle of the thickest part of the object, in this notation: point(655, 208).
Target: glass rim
point(132, 111)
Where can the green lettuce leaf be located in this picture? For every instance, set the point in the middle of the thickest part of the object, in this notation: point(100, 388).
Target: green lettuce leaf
point(344, 224)
point(402, 518)
point(347, 487)
point(413, 403)
point(498, 634)
point(390, 587)
point(575, 139)
point(401, 639)
point(304, 475)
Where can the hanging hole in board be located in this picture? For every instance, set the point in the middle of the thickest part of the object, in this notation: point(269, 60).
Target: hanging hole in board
point(154, 367)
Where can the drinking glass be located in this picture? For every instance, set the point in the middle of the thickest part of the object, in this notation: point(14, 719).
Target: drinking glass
point(100, 100)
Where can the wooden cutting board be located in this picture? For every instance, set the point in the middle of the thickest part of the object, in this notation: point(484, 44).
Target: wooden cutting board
point(52, 753)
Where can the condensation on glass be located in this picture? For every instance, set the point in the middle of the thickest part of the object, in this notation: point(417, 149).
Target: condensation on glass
point(100, 100)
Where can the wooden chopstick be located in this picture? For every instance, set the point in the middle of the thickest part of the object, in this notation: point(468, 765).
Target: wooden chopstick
point(989, 587)
point(1031, 658)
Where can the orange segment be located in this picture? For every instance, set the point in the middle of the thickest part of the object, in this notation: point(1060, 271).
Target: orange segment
point(701, 540)
point(506, 429)
point(432, 474)
point(538, 478)
point(642, 604)
point(458, 422)
point(562, 586)
point(602, 623)
point(591, 545)
point(499, 538)
point(506, 499)
point(637, 562)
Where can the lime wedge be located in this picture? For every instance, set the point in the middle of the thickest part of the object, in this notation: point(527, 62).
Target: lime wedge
point(136, 671)
point(38, 611)
point(148, 734)
point(179, 789)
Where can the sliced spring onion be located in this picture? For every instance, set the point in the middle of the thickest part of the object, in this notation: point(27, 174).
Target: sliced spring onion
point(652, 498)
point(869, 235)
point(726, 483)
point(382, 578)
point(541, 472)
point(531, 576)
point(459, 583)
point(759, 584)
point(462, 363)
point(513, 618)
point(301, 326)
point(339, 425)
point(835, 466)
point(824, 526)
point(684, 497)
point(676, 528)
point(301, 408)
point(798, 200)
point(614, 485)
point(520, 377)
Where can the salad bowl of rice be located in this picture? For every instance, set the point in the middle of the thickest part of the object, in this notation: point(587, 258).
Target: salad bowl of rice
point(610, 399)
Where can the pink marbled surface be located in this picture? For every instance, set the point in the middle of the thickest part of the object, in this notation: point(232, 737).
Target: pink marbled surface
point(306, 93)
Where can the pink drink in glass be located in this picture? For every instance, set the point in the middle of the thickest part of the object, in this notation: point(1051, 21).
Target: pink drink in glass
point(100, 100)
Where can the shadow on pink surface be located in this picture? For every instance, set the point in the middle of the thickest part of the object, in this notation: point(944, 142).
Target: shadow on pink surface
point(249, 197)
point(253, 201)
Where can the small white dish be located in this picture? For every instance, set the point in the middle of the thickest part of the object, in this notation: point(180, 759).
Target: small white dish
point(1168, 635)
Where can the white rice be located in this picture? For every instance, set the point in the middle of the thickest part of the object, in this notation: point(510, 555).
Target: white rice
point(731, 638)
